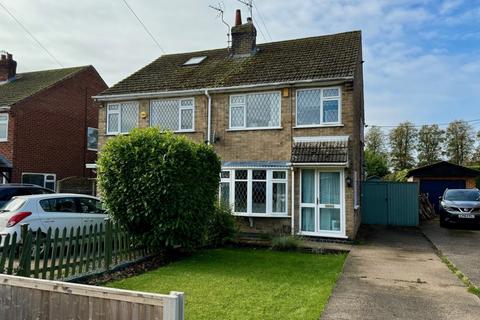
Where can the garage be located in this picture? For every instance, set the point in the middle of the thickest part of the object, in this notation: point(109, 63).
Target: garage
point(437, 177)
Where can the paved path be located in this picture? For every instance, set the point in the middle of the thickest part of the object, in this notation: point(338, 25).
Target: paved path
point(397, 275)
point(461, 246)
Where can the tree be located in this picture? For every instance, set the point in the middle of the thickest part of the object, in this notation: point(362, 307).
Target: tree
point(429, 147)
point(375, 141)
point(460, 142)
point(375, 164)
point(161, 187)
point(402, 145)
point(476, 156)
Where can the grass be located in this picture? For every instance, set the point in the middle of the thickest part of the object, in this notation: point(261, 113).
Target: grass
point(246, 283)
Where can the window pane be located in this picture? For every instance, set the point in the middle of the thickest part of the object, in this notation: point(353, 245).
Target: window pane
point(50, 185)
point(237, 99)
point(92, 138)
point(114, 107)
point(263, 110)
point(279, 197)
point(330, 219)
point(88, 205)
point(59, 205)
point(113, 122)
point(259, 175)
point(225, 192)
point(330, 187)
point(331, 93)
point(225, 174)
point(308, 186)
point(308, 219)
point(186, 119)
point(279, 174)
point(3, 131)
point(237, 114)
point(308, 107)
point(241, 174)
point(186, 102)
point(330, 111)
point(259, 197)
point(240, 196)
point(164, 114)
point(129, 116)
point(37, 179)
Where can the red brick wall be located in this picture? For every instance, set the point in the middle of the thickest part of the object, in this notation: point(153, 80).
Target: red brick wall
point(50, 128)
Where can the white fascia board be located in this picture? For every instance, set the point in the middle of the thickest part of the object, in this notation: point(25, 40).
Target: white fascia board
point(261, 86)
point(321, 139)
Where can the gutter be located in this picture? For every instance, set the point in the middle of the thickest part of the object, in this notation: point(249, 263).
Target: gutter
point(209, 117)
point(177, 93)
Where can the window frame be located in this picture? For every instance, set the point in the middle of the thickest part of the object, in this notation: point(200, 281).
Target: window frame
point(88, 131)
point(119, 112)
point(180, 109)
point(268, 194)
point(322, 123)
point(244, 106)
point(44, 179)
point(6, 126)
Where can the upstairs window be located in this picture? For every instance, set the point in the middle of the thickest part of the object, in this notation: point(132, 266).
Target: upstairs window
point(122, 117)
point(173, 114)
point(255, 110)
point(316, 107)
point(3, 126)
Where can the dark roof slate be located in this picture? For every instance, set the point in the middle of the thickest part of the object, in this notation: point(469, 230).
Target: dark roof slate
point(320, 152)
point(443, 169)
point(28, 83)
point(324, 57)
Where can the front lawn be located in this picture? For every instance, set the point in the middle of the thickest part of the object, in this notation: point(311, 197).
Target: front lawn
point(246, 283)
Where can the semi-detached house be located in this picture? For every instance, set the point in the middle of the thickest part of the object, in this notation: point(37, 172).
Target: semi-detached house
point(285, 117)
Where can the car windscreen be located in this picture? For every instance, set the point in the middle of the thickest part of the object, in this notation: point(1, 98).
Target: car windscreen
point(13, 205)
point(462, 195)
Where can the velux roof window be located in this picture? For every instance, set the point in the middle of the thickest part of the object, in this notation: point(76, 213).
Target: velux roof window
point(194, 60)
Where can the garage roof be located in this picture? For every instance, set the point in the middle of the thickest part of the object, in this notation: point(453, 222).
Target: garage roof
point(443, 169)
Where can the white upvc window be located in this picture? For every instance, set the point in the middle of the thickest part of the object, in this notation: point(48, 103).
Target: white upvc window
point(3, 126)
point(255, 192)
point(255, 110)
point(318, 107)
point(45, 180)
point(173, 114)
point(122, 117)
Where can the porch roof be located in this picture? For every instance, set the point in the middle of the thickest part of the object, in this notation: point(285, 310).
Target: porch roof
point(5, 165)
point(330, 151)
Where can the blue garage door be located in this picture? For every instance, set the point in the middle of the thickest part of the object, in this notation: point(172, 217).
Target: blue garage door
point(435, 188)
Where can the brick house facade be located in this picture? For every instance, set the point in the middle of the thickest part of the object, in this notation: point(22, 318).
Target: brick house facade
point(47, 114)
point(258, 106)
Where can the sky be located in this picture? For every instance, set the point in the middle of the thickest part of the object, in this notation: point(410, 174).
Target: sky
point(422, 58)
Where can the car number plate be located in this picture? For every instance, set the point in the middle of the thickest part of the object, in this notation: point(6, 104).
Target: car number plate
point(466, 216)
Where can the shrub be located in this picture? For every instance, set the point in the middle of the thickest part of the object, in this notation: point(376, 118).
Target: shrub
point(160, 186)
point(285, 243)
point(222, 226)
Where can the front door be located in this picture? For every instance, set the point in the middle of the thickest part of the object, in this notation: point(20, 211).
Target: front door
point(321, 205)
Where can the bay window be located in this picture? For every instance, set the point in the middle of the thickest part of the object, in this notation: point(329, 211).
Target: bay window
point(173, 114)
point(255, 191)
point(122, 117)
point(255, 110)
point(316, 107)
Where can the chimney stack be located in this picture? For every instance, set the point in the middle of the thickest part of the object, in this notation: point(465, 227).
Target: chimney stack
point(244, 37)
point(8, 67)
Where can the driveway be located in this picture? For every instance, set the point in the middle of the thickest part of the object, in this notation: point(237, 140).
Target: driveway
point(397, 275)
point(461, 246)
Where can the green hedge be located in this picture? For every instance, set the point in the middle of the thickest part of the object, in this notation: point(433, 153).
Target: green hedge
point(162, 187)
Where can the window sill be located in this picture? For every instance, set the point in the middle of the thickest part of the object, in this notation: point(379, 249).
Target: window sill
point(253, 129)
point(261, 215)
point(184, 131)
point(117, 134)
point(320, 126)
point(3, 140)
point(322, 234)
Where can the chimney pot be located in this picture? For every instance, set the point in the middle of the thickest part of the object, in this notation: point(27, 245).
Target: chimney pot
point(249, 20)
point(4, 57)
point(238, 17)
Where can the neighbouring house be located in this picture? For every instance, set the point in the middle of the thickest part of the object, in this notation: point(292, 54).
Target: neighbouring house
point(286, 118)
point(437, 177)
point(48, 123)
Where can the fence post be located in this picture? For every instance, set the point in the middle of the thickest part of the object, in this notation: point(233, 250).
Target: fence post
point(108, 243)
point(25, 252)
point(23, 232)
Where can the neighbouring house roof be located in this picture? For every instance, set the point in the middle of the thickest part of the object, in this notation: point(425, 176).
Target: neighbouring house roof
point(320, 152)
point(27, 84)
point(317, 58)
point(255, 164)
point(443, 169)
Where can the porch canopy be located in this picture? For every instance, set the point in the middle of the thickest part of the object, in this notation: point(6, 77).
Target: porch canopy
point(324, 150)
point(5, 168)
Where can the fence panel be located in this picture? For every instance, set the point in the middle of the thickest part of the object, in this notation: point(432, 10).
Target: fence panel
point(27, 298)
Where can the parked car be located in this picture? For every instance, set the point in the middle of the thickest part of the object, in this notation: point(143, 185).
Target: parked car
point(41, 212)
point(460, 206)
point(10, 190)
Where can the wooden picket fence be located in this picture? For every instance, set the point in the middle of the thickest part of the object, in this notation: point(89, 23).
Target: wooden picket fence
point(66, 254)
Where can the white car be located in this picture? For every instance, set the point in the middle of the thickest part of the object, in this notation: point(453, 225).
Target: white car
point(58, 210)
